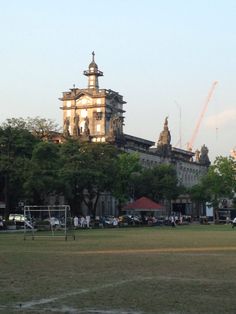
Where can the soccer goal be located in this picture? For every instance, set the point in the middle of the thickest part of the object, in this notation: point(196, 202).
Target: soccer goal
point(48, 221)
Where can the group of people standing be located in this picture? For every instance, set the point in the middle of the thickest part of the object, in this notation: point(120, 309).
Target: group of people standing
point(85, 222)
point(82, 222)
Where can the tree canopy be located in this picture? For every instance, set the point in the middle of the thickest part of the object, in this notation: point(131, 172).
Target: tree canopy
point(127, 166)
point(157, 183)
point(87, 169)
point(33, 167)
point(218, 183)
point(16, 146)
point(41, 128)
point(42, 174)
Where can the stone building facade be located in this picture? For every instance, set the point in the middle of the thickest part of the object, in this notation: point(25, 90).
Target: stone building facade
point(93, 114)
point(97, 115)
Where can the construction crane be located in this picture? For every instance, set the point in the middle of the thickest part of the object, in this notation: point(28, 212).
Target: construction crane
point(195, 132)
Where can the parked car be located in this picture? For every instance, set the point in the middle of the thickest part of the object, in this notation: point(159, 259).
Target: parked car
point(108, 221)
point(17, 217)
point(126, 220)
point(20, 221)
point(137, 219)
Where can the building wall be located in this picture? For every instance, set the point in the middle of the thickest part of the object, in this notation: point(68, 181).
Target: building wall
point(102, 107)
point(85, 106)
point(189, 173)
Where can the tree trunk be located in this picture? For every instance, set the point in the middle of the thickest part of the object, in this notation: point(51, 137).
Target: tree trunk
point(95, 204)
point(119, 207)
point(216, 215)
point(6, 196)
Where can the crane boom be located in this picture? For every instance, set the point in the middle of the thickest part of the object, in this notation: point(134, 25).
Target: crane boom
point(195, 132)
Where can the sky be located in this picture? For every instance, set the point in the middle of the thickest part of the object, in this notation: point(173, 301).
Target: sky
point(161, 55)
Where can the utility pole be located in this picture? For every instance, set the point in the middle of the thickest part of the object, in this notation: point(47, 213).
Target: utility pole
point(180, 125)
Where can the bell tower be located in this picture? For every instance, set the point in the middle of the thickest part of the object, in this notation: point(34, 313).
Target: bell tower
point(93, 73)
point(93, 114)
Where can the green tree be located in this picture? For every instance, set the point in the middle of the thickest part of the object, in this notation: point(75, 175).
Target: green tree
point(97, 172)
point(16, 146)
point(158, 183)
point(128, 165)
point(219, 182)
point(70, 183)
point(43, 129)
point(43, 172)
point(199, 194)
point(87, 169)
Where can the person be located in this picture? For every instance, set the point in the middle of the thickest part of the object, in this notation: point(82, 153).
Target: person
point(1, 223)
point(172, 220)
point(88, 221)
point(82, 221)
point(76, 222)
point(234, 222)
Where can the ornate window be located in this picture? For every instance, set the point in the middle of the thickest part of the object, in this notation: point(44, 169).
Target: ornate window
point(97, 115)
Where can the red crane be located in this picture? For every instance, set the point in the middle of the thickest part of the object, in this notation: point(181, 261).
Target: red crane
point(195, 132)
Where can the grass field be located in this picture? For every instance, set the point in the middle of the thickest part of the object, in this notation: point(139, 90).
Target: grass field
point(188, 269)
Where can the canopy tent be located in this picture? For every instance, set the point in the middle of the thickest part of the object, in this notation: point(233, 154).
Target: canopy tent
point(144, 204)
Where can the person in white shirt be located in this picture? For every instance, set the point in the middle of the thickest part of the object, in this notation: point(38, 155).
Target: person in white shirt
point(172, 220)
point(1, 223)
point(82, 221)
point(88, 221)
point(76, 222)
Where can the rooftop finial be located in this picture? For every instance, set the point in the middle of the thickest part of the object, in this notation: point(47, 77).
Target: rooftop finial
point(166, 122)
point(93, 55)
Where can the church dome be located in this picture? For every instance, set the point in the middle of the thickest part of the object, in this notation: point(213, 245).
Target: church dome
point(93, 65)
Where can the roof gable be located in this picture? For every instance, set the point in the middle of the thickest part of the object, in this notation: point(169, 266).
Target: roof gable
point(143, 204)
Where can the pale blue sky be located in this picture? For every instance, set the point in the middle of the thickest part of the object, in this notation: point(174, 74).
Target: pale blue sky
point(160, 55)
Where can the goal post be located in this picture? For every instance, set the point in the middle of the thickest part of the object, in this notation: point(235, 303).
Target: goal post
point(48, 221)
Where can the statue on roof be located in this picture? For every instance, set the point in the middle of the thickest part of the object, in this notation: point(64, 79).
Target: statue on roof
point(86, 126)
point(165, 137)
point(166, 122)
point(115, 127)
point(197, 155)
point(204, 159)
point(66, 126)
point(163, 144)
point(76, 129)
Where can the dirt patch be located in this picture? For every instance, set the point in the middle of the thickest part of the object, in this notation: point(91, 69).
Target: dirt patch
point(158, 250)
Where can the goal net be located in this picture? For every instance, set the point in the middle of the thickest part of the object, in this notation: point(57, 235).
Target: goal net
point(48, 221)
